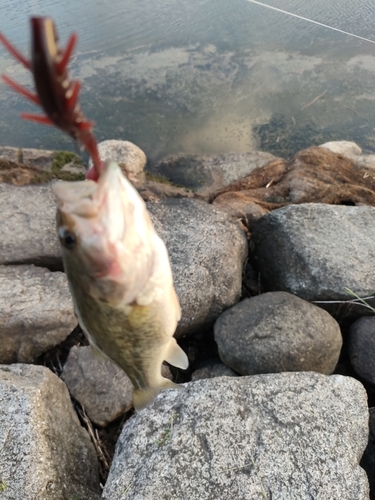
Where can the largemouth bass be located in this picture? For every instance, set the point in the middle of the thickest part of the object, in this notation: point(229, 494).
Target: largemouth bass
point(120, 278)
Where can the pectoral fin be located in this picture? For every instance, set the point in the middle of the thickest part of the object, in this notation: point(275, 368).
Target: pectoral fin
point(143, 397)
point(176, 356)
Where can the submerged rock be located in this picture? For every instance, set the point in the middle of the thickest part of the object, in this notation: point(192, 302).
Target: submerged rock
point(45, 453)
point(36, 312)
point(280, 436)
point(278, 332)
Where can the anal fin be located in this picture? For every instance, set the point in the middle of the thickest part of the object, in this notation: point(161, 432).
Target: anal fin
point(176, 356)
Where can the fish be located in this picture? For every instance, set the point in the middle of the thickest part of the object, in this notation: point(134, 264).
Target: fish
point(120, 278)
point(117, 266)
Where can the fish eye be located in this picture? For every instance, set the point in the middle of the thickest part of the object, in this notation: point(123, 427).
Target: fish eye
point(67, 238)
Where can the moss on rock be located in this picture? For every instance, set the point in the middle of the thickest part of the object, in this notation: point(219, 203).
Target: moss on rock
point(60, 160)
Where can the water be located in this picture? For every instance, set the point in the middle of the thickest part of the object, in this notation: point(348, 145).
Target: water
point(205, 76)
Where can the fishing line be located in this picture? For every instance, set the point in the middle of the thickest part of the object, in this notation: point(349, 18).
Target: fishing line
point(310, 20)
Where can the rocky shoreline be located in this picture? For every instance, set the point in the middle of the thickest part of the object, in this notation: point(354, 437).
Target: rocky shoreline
point(269, 258)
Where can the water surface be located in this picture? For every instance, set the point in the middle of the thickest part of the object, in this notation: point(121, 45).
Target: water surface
point(205, 76)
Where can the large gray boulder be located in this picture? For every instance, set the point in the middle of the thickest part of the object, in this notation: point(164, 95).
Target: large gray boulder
point(207, 251)
point(278, 332)
point(282, 436)
point(206, 174)
point(103, 389)
point(45, 453)
point(36, 312)
point(317, 251)
point(27, 226)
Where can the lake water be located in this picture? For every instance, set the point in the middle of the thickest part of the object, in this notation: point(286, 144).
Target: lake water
point(205, 76)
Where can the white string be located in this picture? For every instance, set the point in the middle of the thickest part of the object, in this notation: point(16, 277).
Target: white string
point(310, 20)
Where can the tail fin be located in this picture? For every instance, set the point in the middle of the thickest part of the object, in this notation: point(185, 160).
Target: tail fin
point(143, 397)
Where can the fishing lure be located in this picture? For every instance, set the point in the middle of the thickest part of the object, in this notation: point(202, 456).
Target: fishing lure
point(55, 92)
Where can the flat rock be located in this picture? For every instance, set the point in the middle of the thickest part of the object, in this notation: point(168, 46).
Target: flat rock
point(316, 251)
point(207, 251)
point(129, 156)
point(28, 227)
point(362, 348)
point(103, 389)
point(278, 332)
point(45, 453)
point(36, 312)
point(205, 174)
point(368, 459)
point(282, 436)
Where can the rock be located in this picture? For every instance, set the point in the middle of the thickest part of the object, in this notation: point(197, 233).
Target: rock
point(368, 459)
point(28, 227)
point(282, 436)
point(316, 251)
point(206, 174)
point(166, 372)
point(362, 348)
point(36, 312)
point(366, 161)
point(239, 207)
point(154, 189)
point(351, 151)
point(103, 389)
point(129, 156)
point(11, 154)
point(45, 452)
point(313, 175)
point(207, 252)
point(22, 175)
point(344, 148)
point(41, 158)
point(212, 369)
point(278, 332)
